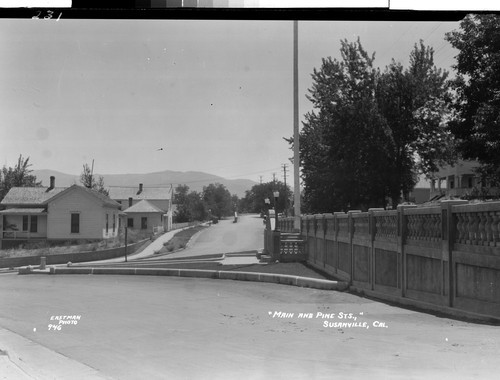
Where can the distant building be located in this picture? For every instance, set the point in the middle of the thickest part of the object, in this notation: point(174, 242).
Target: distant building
point(148, 208)
point(145, 216)
point(460, 181)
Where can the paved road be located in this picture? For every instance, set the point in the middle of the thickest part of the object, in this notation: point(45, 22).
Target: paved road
point(227, 237)
point(247, 235)
point(133, 327)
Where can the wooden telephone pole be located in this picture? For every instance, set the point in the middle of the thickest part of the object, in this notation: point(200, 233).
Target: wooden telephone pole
point(296, 152)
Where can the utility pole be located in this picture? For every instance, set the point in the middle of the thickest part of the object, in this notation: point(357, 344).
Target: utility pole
point(296, 151)
point(261, 180)
point(274, 177)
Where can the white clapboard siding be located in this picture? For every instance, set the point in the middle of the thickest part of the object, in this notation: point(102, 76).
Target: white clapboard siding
point(92, 216)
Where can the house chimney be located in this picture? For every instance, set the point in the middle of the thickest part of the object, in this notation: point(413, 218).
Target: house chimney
point(130, 202)
point(140, 189)
point(52, 182)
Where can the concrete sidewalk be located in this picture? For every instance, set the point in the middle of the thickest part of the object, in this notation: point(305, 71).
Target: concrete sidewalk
point(22, 358)
point(149, 251)
point(240, 260)
point(246, 258)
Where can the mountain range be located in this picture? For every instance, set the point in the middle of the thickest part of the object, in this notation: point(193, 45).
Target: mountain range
point(195, 180)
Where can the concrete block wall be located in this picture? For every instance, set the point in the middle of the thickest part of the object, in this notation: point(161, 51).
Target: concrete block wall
point(444, 258)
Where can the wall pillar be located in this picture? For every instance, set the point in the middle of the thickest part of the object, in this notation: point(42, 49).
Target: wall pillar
point(448, 232)
point(402, 231)
point(372, 230)
point(351, 236)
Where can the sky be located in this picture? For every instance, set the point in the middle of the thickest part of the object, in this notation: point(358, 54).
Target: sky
point(142, 96)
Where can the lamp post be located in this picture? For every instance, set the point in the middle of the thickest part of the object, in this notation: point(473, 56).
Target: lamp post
point(276, 233)
point(276, 195)
point(267, 229)
point(267, 202)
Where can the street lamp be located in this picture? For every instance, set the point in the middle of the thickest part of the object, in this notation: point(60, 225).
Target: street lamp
point(276, 195)
point(267, 202)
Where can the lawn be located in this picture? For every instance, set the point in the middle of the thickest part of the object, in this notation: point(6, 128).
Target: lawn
point(44, 248)
point(180, 239)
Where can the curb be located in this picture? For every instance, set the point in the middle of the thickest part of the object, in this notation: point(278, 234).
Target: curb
point(305, 282)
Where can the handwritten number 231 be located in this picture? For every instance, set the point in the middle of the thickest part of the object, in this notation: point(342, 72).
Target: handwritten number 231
point(47, 17)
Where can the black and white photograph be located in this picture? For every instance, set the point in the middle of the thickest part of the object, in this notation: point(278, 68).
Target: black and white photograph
point(205, 189)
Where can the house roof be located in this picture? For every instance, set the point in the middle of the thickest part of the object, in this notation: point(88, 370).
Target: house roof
point(142, 207)
point(24, 211)
point(103, 198)
point(151, 193)
point(30, 195)
point(42, 195)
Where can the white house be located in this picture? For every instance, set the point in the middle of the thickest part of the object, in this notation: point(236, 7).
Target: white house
point(146, 207)
point(57, 213)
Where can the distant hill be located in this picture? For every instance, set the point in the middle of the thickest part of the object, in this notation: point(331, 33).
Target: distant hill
point(195, 180)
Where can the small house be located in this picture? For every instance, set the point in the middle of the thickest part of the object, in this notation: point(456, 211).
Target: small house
point(148, 208)
point(57, 214)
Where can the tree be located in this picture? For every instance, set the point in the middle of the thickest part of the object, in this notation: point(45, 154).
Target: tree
point(477, 86)
point(415, 104)
point(344, 140)
point(19, 176)
point(87, 179)
point(189, 205)
point(372, 133)
point(218, 199)
point(182, 213)
point(254, 198)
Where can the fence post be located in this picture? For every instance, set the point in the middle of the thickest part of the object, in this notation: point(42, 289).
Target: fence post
point(42, 262)
point(372, 231)
point(448, 232)
point(350, 224)
point(320, 238)
point(402, 231)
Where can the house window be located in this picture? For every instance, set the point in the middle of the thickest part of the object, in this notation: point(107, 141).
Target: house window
point(34, 223)
point(25, 222)
point(130, 222)
point(107, 223)
point(144, 223)
point(114, 223)
point(75, 223)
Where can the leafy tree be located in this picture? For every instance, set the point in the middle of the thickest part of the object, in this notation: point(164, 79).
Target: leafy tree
point(189, 205)
point(218, 199)
point(372, 133)
point(182, 213)
point(88, 180)
point(198, 209)
point(19, 176)
point(254, 198)
point(415, 105)
point(477, 86)
point(344, 140)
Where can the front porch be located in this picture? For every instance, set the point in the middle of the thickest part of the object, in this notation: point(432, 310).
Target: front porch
point(23, 224)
